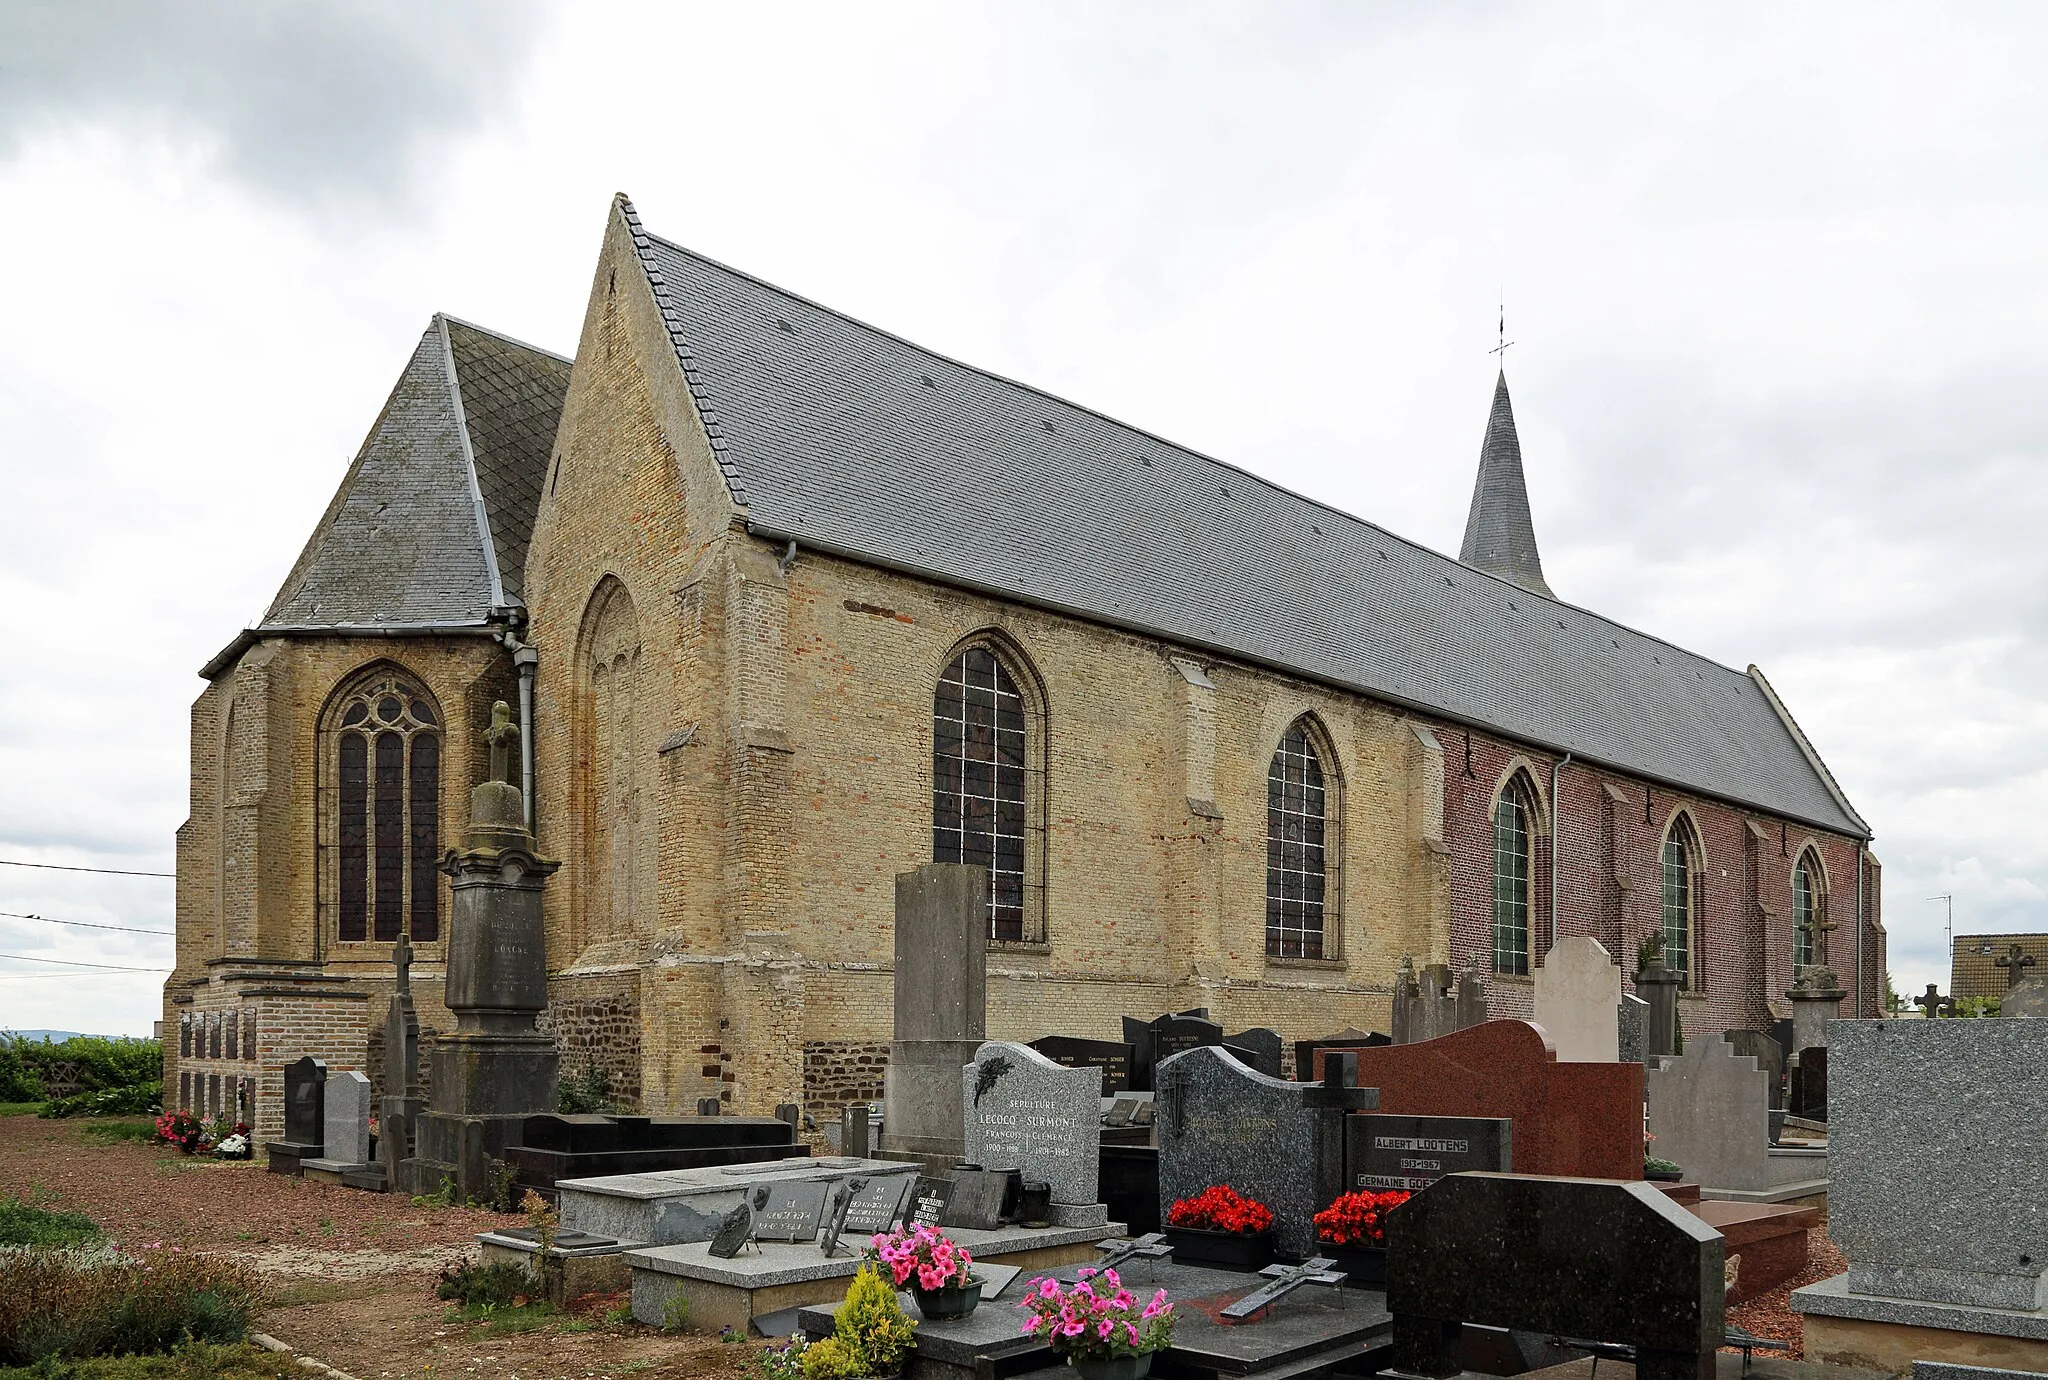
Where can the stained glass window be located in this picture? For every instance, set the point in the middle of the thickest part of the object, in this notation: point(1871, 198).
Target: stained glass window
point(1802, 913)
point(1295, 854)
point(1511, 879)
point(1678, 900)
point(386, 836)
point(978, 788)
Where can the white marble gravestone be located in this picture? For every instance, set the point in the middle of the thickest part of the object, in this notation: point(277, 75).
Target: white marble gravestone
point(1578, 999)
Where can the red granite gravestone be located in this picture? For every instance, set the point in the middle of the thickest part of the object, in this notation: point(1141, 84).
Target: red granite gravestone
point(1583, 1120)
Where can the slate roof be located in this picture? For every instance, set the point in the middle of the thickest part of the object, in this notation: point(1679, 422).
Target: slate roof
point(852, 440)
point(1500, 538)
point(430, 524)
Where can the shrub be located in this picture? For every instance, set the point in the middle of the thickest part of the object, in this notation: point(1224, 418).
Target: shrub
point(181, 1129)
point(18, 1082)
point(830, 1359)
point(97, 1063)
point(23, 1225)
point(588, 1091)
point(62, 1303)
point(474, 1285)
point(112, 1132)
point(872, 1325)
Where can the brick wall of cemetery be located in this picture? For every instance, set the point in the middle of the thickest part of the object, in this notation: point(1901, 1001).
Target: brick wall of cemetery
point(596, 1023)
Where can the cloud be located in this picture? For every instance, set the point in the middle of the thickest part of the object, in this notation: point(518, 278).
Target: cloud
point(314, 102)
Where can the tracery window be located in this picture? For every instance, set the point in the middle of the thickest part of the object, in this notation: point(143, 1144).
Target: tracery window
point(1806, 908)
point(1680, 858)
point(980, 749)
point(1297, 853)
point(1511, 816)
point(387, 830)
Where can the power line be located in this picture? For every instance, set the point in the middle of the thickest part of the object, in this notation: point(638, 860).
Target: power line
point(83, 924)
point(24, 977)
point(107, 871)
point(74, 963)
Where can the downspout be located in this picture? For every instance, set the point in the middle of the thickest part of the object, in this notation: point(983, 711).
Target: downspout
point(1858, 931)
point(1556, 819)
point(524, 660)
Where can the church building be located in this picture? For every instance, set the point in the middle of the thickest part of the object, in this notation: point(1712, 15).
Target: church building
point(786, 605)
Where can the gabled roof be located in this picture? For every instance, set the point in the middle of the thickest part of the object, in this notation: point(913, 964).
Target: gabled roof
point(849, 439)
point(431, 522)
point(1500, 538)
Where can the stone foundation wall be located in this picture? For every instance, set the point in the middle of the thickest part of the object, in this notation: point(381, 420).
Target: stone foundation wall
point(842, 1073)
point(600, 1028)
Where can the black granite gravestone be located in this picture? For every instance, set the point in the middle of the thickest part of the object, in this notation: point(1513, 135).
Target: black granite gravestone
point(1113, 1057)
point(1259, 1048)
point(795, 1208)
point(875, 1206)
point(1119, 1113)
point(1410, 1153)
point(305, 1120)
point(1810, 1084)
point(1351, 1037)
point(929, 1199)
point(733, 1232)
point(1590, 1259)
point(556, 1146)
point(977, 1201)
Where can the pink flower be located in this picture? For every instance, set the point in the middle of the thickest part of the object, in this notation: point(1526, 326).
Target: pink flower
point(1130, 1332)
point(1123, 1298)
point(1033, 1323)
point(1048, 1289)
point(1073, 1329)
point(1104, 1329)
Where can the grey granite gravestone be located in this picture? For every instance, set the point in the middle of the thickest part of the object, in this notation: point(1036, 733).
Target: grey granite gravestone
point(1383, 1151)
point(1112, 1057)
point(1278, 1142)
point(793, 1213)
point(1631, 1021)
point(1582, 1258)
point(345, 1115)
point(876, 1206)
point(1932, 1124)
point(1769, 1057)
point(1023, 1110)
point(1261, 1049)
point(1709, 1110)
point(941, 981)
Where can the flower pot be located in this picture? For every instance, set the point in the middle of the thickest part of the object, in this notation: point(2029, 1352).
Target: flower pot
point(1363, 1266)
point(954, 1301)
point(1111, 1367)
point(1228, 1249)
point(1664, 1176)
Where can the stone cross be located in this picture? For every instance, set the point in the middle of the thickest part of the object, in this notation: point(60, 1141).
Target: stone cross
point(1934, 1002)
point(1285, 1280)
point(1817, 931)
point(401, 955)
point(501, 735)
point(1152, 1244)
point(2014, 961)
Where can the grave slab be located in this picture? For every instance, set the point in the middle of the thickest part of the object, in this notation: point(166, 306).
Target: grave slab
point(688, 1204)
point(345, 1119)
point(1022, 1110)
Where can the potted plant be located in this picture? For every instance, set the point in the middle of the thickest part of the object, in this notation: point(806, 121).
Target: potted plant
point(940, 1273)
point(181, 1129)
point(1097, 1326)
point(872, 1336)
point(1353, 1232)
point(1220, 1226)
point(1656, 1168)
point(235, 1144)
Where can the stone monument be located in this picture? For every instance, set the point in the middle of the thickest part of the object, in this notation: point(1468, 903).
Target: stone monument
point(346, 1119)
point(1709, 1109)
point(1437, 1002)
point(1025, 1112)
point(1658, 987)
point(1816, 995)
point(495, 1068)
point(940, 1004)
point(305, 1105)
point(403, 1096)
point(1578, 999)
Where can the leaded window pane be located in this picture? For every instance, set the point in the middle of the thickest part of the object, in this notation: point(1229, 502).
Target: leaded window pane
point(1677, 904)
point(387, 805)
point(426, 834)
point(1295, 823)
point(1802, 916)
point(978, 785)
point(354, 836)
point(1511, 882)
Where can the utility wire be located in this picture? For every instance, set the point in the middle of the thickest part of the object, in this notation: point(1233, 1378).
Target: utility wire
point(74, 963)
point(83, 924)
point(75, 977)
point(108, 871)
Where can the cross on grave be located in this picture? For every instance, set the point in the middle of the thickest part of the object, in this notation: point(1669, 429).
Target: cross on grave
point(401, 957)
point(835, 1218)
point(2015, 959)
point(1151, 1244)
point(1285, 1280)
point(1817, 930)
point(1934, 1002)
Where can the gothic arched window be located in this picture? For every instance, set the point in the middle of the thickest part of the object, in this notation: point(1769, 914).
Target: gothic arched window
point(1512, 814)
point(1297, 848)
point(981, 755)
point(1681, 869)
point(386, 755)
point(1808, 908)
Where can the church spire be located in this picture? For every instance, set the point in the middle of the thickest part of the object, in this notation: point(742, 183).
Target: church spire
point(1499, 536)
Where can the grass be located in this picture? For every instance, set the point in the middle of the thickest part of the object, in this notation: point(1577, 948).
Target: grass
point(23, 1225)
point(117, 1132)
point(193, 1361)
point(20, 1108)
point(500, 1320)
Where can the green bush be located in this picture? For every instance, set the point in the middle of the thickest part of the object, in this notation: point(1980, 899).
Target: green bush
point(473, 1284)
point(99, 1062)
point(191, 1361)
point(588, 1091)
point(17, 1082)
point(24, 1225)
point(72, 1303)
point(136, 1099)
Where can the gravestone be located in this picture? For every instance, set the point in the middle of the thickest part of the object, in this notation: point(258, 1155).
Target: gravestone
point(346, 1118)
point(1658, 987)
point(1280, 1143)
point(1578, 990)
point(976, 1203)
point(305, 1102)
point(1120, 1111)
point(854, 1139)
point(1816, 1003)
point(1758, 1046)
point(2028, 997)
point(1810, 1084)
point(496, 1068)
point(1575, 1119)
point(1605, 1262)
point(404, 1097)
point(876, 1205)
point(1258, 1048)
point(1709, 1110)
point(1025, 1111)
point(1632, 1021)
point(929, 1199)
point(941, 980)
point(794, 1211)
point(1350, 1037)
point(1138, 1035)
point(733, 1232)
point(1410, 1153)
point(1176, 1034)
point(1113, 1057)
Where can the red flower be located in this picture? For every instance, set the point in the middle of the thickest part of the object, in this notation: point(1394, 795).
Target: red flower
point(1221, 1208)
point(1358, 1219)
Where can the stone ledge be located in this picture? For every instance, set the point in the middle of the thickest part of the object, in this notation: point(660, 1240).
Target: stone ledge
point(1797, 1192)
point(777, 1262)
point(1831, 1299)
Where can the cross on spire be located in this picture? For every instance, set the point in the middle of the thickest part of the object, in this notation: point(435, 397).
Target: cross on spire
point(1502, 349)
point(2016, 959)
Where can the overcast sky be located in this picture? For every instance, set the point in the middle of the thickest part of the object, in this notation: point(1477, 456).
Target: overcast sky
point(1772, 274)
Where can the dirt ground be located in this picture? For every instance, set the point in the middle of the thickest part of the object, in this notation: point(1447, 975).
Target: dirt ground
point(351, 1274)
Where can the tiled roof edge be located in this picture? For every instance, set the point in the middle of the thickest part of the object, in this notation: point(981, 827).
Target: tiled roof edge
point(469, 325)
point(1820, 768)
point(476, 491)
point(693, 377)
point(224, 660)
